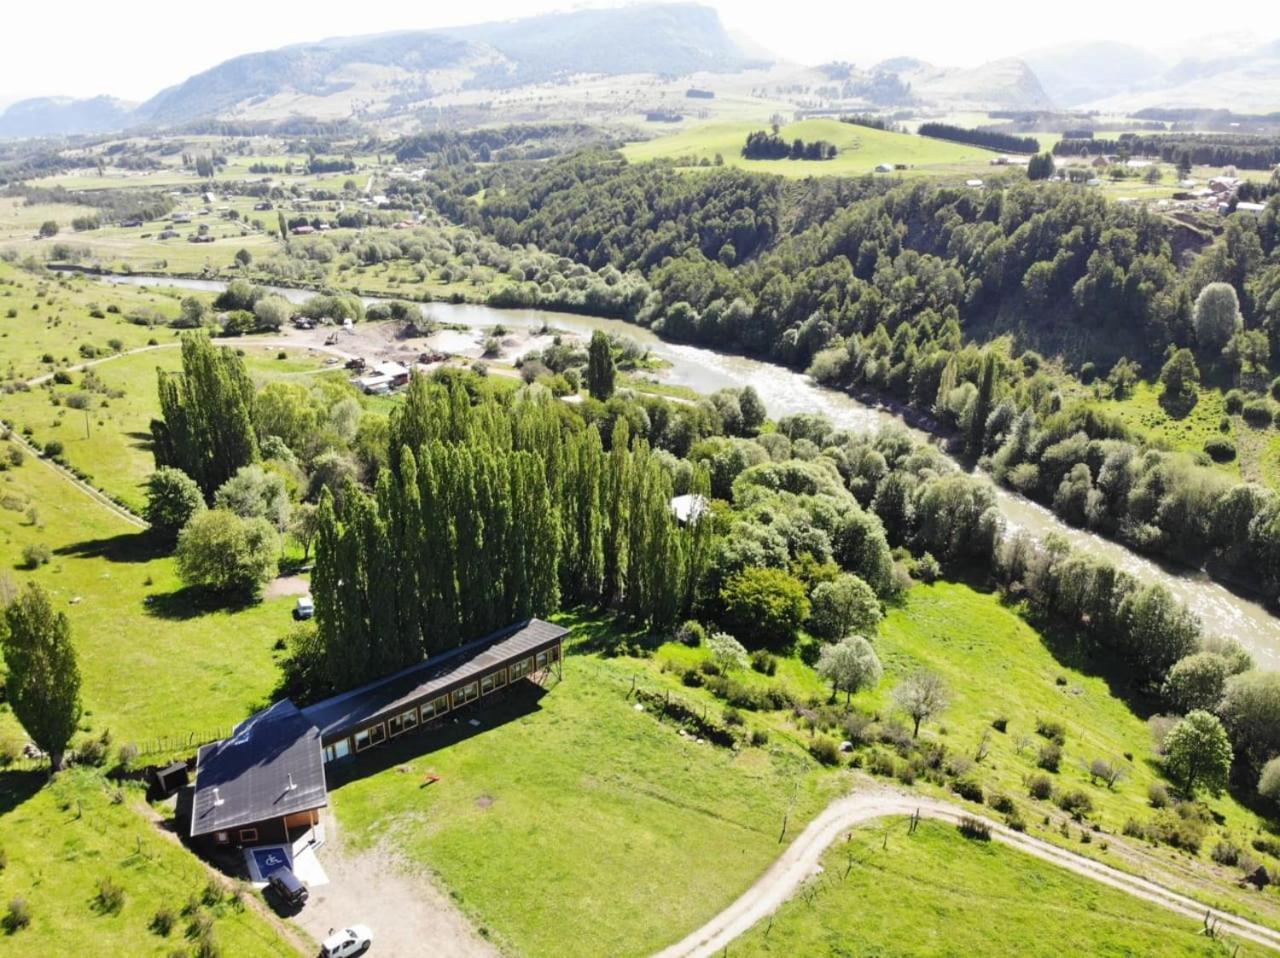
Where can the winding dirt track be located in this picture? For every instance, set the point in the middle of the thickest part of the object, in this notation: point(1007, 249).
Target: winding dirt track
point(801, 858)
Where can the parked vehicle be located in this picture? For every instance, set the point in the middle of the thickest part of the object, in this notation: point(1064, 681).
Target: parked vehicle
point(286, 884)
point(304, 608)
point(347, 942)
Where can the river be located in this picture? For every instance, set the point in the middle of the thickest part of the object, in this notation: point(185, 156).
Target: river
point(785, 391)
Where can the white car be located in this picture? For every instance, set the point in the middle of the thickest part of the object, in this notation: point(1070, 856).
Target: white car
point(347, 942)
point(304, 609)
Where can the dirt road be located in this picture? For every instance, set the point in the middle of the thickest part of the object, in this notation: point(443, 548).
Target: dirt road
point(801, 858)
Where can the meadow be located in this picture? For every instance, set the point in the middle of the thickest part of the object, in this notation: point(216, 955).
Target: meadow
point(60, 839)
point(861, 150)
point(934, 893)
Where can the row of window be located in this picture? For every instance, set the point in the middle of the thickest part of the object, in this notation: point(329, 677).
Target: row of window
point(247, 836)
point(428, 711)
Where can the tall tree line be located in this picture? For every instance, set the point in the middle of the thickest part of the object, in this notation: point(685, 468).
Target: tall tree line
point(489, 513)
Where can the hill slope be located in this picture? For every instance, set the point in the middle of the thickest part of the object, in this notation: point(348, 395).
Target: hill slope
point(51, 116)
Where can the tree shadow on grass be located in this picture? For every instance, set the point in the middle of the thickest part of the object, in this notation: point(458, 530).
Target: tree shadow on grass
point(192, 602)
point(17, 787)
point(610, 636)
point(516, 701)
point(1178, 405)
point(131, 547)
point(141, 440)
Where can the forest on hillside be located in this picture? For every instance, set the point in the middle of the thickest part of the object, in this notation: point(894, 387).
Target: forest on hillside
point(947, 300)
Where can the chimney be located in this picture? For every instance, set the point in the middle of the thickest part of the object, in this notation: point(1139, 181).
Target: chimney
point(217, 798)
point(292, 784)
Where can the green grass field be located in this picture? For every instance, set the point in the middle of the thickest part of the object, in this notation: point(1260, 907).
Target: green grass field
point(111, 442)
point(581, 826)
point(1257, 450)
point(861, 149)
point(166, 668)
point(61, 839)
point(934, 893)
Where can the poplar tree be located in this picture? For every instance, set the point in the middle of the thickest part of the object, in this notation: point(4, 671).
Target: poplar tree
point(600, 368)
point(983, 405)
point(43, 683)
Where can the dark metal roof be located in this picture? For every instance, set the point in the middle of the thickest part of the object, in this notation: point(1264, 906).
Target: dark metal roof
point(251, 771)
point(345, 713)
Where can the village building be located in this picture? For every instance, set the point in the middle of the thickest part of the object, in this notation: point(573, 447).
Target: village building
point(265, 784)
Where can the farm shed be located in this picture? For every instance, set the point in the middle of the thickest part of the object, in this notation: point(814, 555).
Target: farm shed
point(266, 782)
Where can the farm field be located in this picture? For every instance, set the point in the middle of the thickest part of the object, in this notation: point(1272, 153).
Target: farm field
point(935, 893)
point(162, 667)
point(61, 838)
point(861, 149)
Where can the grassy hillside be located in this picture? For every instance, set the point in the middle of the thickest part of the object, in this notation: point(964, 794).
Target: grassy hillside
point(934, 893)
point(153, 661)
point(861, 150)
point(61, 839)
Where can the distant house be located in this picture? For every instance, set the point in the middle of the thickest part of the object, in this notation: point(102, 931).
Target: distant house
point(974, 183)
point(694, 93)
point(1000, 160)
point(303, 230)
point(265, 783)
point(1253, 209)
point(259, 207)
point(1098, 162)
point(383, 378)
point(1224, 184)
point(884, 168)
point(131, 223)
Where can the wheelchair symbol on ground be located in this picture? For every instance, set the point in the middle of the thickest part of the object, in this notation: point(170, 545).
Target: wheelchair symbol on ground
point(269, 860)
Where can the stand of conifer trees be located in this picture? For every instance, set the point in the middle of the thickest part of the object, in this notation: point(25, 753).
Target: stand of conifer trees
point(489, 513)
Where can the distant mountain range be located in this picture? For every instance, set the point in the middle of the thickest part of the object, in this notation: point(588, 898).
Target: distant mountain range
point(393, 75)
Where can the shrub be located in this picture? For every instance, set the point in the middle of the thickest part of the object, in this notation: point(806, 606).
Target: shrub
point(727, 651)
point(110, 897)
point(1015, 821)
point(1268, 846)
point(825, 750)
point(1226, 852)
point(35, 554)
point(1002, 803)
point(1269, 780)
point(1040, 786)
point(53, 449)
point(1075, 803)
point(91, 752)
point(974, 828)
point(1234, 401)
point(759, 737)
point(162, 922)
point(691, 633)
point(1259, 413)
point(968, 789)
point(1050, 757)
point(732, 716)
point(692, 678)
point(1000, 724)
point(1220, 449)
point(764, 662)
point(1053, 731)
point(881, 763)
point(766, 606)
point(18, 916)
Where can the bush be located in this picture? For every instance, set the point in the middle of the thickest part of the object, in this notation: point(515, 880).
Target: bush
point(18, 916)
point(53, 449)
point(91, 752)
point(766, 606)
point(974, 828)
point(1220, 449)
point(110, 897)
point(759, 737)
point(1234, 401)
point(162, 921)
point(1050, 757)
point(1040, 786)
point(1075, 803)
point(691, 633)
point(1000, 724)
point(1259, 413)
point(1268, 846)
point(1002, 803)
point(1226, 852)
point(825, 750)
point(968, 789)
point(1158, 795)
point(1269, 780)
point(1053, 731)
point(764, 662)
point(732, 716)
point(927, 568)
point(36, 554)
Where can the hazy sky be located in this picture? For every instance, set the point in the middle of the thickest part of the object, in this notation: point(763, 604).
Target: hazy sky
point(134, 48)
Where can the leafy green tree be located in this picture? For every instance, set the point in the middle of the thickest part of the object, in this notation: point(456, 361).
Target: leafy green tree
point(243, 258)
point(850, 665)
point(1123, 377)
point(752, 407)
point(1196, 681)
point(272, 312)
point(1180, 375)
point(43, 681)
point(255, 493)
point(48, 228)
point(1250, 709)
point(843, 605)
point(922, 696)
point(206, 424)
point(1197, 753)
point(1040, 166)
point(1217, 316)
point(1269, 780)
point(225, 553)
point(987, 381)
point(172, 499)
point(767, 606)
point(726, 651)
point(600, 367)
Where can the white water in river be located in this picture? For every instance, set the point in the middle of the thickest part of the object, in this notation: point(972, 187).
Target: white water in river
point(785, 391)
